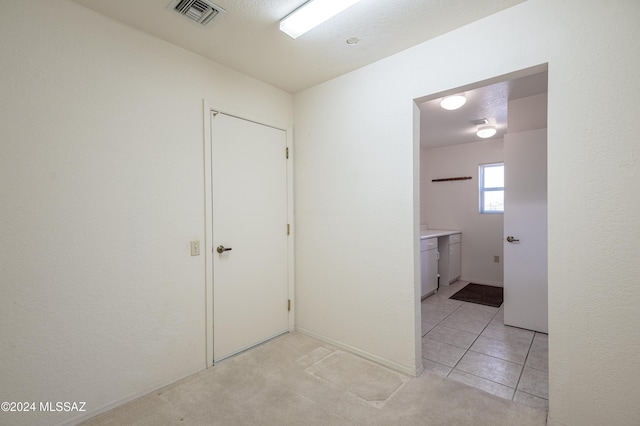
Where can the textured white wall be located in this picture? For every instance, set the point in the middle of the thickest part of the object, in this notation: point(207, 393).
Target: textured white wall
point(356, 182)
point(528, 113)
point(357, 271)
point(102, 187)
point(454, 205)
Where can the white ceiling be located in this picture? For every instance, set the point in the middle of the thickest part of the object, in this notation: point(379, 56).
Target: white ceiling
point(439, 127)
point(247, 38)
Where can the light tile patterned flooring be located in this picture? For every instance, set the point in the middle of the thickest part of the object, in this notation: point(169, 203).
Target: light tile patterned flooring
point(469, 343)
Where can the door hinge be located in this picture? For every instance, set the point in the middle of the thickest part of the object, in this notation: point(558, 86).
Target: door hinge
point(287, 152)
point(289, 305)
point(288, 229)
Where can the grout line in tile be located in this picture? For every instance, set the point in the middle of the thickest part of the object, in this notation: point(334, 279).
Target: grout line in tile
point(537, 369)
point(525, 363)
point(489, 380)
point(439, 322)
point(430, 360)
point(469, 348)
point(497, 357)
point(518, 390)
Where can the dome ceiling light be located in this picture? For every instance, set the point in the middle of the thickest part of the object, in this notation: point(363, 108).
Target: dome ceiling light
point(453, 102)
point(486, 131)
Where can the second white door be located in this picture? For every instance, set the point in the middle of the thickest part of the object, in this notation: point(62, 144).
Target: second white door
point(525, 228)
point(250, 289)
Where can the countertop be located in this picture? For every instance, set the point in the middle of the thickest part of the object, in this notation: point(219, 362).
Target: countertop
point(432, 233)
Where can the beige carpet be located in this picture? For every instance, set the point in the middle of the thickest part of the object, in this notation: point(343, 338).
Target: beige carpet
point(297, 380)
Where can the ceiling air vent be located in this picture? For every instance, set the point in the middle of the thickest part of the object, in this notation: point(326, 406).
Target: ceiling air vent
point(202, 12)
point(479, 121)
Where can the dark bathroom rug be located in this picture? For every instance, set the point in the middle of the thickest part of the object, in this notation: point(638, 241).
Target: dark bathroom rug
point(481, 294)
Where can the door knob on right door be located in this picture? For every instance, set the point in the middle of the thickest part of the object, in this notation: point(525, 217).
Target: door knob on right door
point(512, 240)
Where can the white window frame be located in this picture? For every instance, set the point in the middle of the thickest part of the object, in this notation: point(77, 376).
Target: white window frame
point(482, 189)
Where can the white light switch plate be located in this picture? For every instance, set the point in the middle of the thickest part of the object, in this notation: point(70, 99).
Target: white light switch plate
point(195, 248)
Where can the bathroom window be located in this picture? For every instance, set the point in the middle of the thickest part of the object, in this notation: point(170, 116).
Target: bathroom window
point(491, 188)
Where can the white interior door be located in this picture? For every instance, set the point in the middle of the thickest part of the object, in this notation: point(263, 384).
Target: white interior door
point(250, 290)
point(525, 219)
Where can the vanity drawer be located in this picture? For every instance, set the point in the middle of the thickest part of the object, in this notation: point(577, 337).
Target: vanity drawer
point(455, 238)
point(428, 244)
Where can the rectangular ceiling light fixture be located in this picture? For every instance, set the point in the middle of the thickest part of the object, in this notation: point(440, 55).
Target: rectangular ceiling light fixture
point(311, 14)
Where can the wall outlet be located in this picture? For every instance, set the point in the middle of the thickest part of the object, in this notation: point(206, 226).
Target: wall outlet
point(195, 248)
point(496, 259)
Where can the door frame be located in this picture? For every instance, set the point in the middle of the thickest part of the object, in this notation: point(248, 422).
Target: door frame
point(417, 195)
point(207, 109)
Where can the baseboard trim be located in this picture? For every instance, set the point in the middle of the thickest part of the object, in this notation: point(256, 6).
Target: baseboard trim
point(364, 354)
point(131, 397)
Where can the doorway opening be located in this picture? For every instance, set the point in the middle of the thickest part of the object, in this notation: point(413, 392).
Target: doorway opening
point(457, 338)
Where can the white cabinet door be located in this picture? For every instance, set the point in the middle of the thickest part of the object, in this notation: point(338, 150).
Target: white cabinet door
point(424, 265)
point(429, 265)
point(454, 262)
point(432, 267)
point(455, 258)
